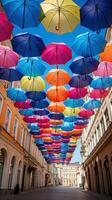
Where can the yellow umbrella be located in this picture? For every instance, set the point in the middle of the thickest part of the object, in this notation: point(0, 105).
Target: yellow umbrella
point(61, 16)
point(71, 111)
point(32, 83)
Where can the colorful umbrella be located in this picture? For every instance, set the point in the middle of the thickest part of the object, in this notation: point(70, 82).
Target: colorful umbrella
point(92, 104)
point(70, 119)
point(80, 126)
point(26, 112)
point(5, 27)
point(57, 77)
point(33, 127)
point(61, 16)
point(76, 93)
point(107, 54)
point(56, 107)
point(67, 126)
point(101, 83)
point(36, 96)
point(28, 45)
point(31, 66)
point(71, 111)
point(96, 14)
point(74, 103)
point(35, 132)
point(56, 122)
point(82, 65)
point(40, 104)
point(41, 112)
point(23, 105)
point(16, 94)
point(104, 69)
point(57, 53)
point(32, 83)
point(44, 125)
point(81, 122)
point(24, 14)
point(8, 58)
point(86, 113)
point(43, 119)
point(57, 94)
point(80, 81)
point(10, 74)
point(56, 116)
point(98, 93)
point(31, 119)
point(89, 44)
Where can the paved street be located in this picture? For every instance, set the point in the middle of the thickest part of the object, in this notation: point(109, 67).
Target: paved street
point(58, 193)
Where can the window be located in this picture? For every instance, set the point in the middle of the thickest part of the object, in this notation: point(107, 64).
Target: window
point(15, 128)
point(102, 125)
point(99, 132)
point(106, 114)
point(7, 119)
point(1, 102)
point(21, 135)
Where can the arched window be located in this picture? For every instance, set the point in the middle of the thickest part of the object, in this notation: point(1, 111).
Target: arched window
point(2, 161)
point(19, 172)
point(11, 171)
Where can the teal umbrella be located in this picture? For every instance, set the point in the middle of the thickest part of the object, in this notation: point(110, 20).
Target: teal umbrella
point(16, 94)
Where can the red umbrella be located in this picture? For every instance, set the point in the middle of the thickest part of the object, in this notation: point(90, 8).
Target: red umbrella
point(76, 93)
point(44, 125)
point(31, 119)
point(86, 113)
point(80, 126)
point(98, 93)
point(23, 105)
point(43, 119)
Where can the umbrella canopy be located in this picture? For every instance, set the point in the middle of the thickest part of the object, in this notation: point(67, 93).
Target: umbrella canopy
point(56, 107)
point(41, 112)
point(10, 74)
point(74, 103)
point(40, 104)
point(57, 94)
point(70, 119)
point(56, 122)
point(107, 54)
point(80, 126)
point(16, 94)
point(5, 27)
point(32, 83)
point(86, 113)
point(88, 44)
point(81, 122)
point(101, 83)
point(23, 105)
point(57, 77)
point(80, 81)
point(76, 93)
point(71, 111)
point(31, 67)
point(44, 125)
point(96, 15)
point(33, 126)
point(104, 69)
point(92, 104)
point(57, 53)
point(67, 126)
point(82, 65)
point(43, 119)
point(8, 58)
point(31, 119)
point(28, 45)
point(56, 116)
point(98, 93)
point(26, 112)
point(23, 14)
point(36, 96)
point(61, 16)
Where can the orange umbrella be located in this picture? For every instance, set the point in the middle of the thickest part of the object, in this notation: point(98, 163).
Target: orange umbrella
point(107, 54)
point(57, 94)
point(56, 122)
point(76, 131)
point(46, 130)
point(58, 77)
point(56, 107)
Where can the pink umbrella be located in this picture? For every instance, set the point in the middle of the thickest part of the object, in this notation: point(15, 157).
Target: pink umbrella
point(43, 119)
point(104, 69)
point(86, 113)
point(23, 105)
point(80, 126)
point(8, 58)
point(44, 125)
point(31, 119)
point(98, 93)
point(5, 27)
point(57, 53)
point(76, 93)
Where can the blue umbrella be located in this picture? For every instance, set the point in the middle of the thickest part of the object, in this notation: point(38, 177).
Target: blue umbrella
point(10, 74)
point(33, 126)
point(92, 104)
point(39, 104)
point(23, 13)
point(70, 119)
point(81, 122)
point(67, 126)
point(80, 81)
point(41, 112)
point(101, 83)
point(36, 96)
point(96, 14)
point(74, 103)
point(89, 44)
point(28, 45)
point(31, 66)
point(35, 132)
point(26, 112)
point(16, 94)
point(55, 126)
point(56, 116)
point(82, 65)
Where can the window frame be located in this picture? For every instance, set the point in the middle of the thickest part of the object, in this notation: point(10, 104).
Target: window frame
point(8, 128)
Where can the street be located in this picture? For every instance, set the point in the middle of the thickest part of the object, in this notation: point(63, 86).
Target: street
point(56, 193)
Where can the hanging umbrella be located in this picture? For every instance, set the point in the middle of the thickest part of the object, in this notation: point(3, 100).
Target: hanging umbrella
point(67, 126)
point(44, 125)
point(81, 122)
point(101, 83)
point(8, 58)
point(33, 127)
point(10, 74)
point(107, 54)
point(23, 14)
point(104, 69)
point(57, 53)
point(30, 119)
point(56, 116)
point(86, 113)
point(31, 66)
point(82, 65)
point(40, 104)
point(32, 83)
point(98, 93)
point(56, 107)
point(96, 14)
point(36, 96)
point(26, 112)
point(70, 118)
point(35, 132)
point(80, 126)
point(16, 94)
point(28, 45)
point(57, 77)
point(60, 16)
point(57, 94)
point(76, 93)
point(89, 44)
point(74, 103)
point(71, 111)
point(80, 81)
point(43, 119)
point(92, 104)
point(41, 112)
point(23, 105)
point(5, 27)
point(56, 122)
